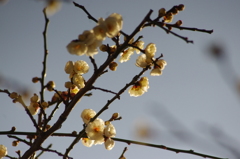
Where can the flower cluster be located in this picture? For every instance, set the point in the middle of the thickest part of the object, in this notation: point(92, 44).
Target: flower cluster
point(169, 15)
point(139, 88)
point(3, 151)
point(34, 106)
point(158, 67)
point(34, 102)
point(89, 40)
point(148, 59)
point(126, 54)
point(75, 71)
point(98, 131)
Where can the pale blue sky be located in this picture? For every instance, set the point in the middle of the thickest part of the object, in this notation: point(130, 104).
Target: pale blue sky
point(191, 98)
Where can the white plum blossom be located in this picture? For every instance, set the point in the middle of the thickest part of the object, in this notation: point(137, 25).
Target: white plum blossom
point(157, 70)
point(87, 142)
point(77, 47)
point(87, 114)
point(78, 80)
point(125, 55)
point(150, 51)
point(100, 30)
point(87, 37)
point(142, 61)
point(69, 67)
point(109, 130)
point(53, 6)
point(109, 143)
point(81, 67)
point(140, 45)
point(113, 24)
point(95, 129)
point(139, 88)
point(3, 151)
point(33, 108)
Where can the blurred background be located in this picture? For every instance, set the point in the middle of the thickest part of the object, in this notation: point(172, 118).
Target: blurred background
point(195, 104)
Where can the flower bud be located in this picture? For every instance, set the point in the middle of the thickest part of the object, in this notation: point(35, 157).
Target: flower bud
point(13, 129)
point(113, 48)
point(161, 12)
point(68, 84)
point(44, 105)
point(178, 23)
point(181, 7)
point(50, 85)
point(113, 66)
point(74, 133)
point(15, 143)
point(174, 11)
point(103, 48)
point(115, 115)
point(13, 95)
point(35, 79)
point(34, 98)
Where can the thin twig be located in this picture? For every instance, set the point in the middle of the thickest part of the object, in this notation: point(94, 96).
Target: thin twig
point(43, 75)
point(104, 90)
point(190, 29)
point(5, 91)
point(94, 63)
point(124, 150)
point(19, 139)
point(166, 148)
point(54, 151)
point(33, 120)
point(49, 146)
point(53, 112)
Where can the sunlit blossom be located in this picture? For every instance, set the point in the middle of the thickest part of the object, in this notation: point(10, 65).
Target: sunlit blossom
point(109, 143)
point(87, 114)
point(33, 108)
point(95, 129)
point(53, 6)
point(87, 142)
point(140, 45)
point(113, 24)
point(3, 151)
point(109, 130)
point(157, 70)
point(87, 37)
point(69, 67)
point(139, 88)
point(100, 31)
point(77, 47)
point(81, 67)
point(78, 80)
point(150, 50)
point(125, 56)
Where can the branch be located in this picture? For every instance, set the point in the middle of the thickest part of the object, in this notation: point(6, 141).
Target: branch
point(166, 148)
point(54, 151)
point(190, 29)
point(192, 152)
point(104, 90)
point(99, 72)
point(94, 63)
point(43, 75)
